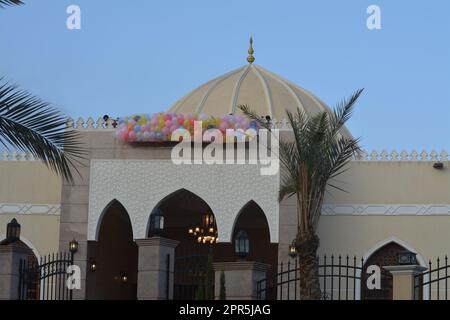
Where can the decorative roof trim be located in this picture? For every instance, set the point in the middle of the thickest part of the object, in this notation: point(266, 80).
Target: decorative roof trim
point(403, 156)
point(30, 209)
point(16, 156)
point(379, 209)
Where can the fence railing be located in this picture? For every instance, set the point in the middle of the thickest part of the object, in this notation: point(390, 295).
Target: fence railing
point(45, 279)
point(340, 278)
point(433, 281)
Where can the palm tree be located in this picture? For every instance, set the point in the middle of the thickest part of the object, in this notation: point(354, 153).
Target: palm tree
point(10, 2)
point(316, 155)
point(34, 126)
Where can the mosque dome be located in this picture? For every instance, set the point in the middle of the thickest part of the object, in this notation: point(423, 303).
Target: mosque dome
point(263, 91)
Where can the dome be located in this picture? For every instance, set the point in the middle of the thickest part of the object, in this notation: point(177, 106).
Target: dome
point(263, 91)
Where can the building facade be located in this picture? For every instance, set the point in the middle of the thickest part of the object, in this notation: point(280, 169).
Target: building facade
point(393, 201)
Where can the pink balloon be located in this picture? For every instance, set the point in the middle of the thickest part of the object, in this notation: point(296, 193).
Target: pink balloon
point(132, 136)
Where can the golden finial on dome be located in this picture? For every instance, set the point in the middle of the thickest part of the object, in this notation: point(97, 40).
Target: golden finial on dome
point(250, 57)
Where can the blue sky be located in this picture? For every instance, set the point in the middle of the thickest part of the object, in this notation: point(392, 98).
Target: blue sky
point(141, 56)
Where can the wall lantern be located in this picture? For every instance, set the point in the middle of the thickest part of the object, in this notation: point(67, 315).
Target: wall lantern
point(124, 278)
point(73, 246)
point(12, 231)
point(156, 222)
point(92, 265)
point(293, 250)
point(407, 258)
point(241, 245)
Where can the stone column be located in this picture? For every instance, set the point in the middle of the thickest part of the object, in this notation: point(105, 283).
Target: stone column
point(241, 278)
point(155, 268)
point(10, 256)
point(403, 280)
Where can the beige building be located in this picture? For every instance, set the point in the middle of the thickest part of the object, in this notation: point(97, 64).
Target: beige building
point(394, 201)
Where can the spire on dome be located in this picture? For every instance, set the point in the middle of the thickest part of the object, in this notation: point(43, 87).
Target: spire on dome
point(250, 57)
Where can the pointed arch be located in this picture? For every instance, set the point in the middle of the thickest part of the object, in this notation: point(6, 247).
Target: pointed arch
point(243, 210)
point(396, 240)
point(106, 210)
point(115, 253)
point(184, 192)
point(28, 243)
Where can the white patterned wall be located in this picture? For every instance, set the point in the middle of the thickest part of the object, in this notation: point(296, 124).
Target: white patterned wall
point(140, 185)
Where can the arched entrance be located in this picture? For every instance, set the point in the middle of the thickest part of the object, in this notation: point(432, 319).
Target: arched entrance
point(252, 220)
point(182, 211)
point(115, 255)
point(386, 255)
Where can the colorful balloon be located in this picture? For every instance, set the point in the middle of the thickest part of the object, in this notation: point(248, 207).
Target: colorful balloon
point(160, 126)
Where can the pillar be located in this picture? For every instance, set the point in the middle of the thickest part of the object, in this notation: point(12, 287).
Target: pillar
point(241, 278)
point(403, 277)
point(10, 256)
point(155, 268)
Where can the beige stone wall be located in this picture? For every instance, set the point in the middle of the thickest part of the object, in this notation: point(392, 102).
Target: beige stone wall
point(28, 182)
point(39, 232)
point(400, 192)
point(31, 193)
point(375, 184)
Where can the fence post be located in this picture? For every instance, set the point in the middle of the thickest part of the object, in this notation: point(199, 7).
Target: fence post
point(403, 280)
point(241, 278)
point(10, 256)
point(155, 269)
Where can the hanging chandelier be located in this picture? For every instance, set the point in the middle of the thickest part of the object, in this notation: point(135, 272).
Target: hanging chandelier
point(207, 232)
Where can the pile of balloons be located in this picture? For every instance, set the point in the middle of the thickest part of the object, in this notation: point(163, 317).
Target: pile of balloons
point(159, 126)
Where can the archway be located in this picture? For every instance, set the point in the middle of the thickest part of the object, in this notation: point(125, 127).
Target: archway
point(115, 255)
point(181, 211)
point(385, 254)
point(32, 261)
point(252, 220)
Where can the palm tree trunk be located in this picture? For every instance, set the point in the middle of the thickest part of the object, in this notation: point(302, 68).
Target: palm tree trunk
point(307, 244)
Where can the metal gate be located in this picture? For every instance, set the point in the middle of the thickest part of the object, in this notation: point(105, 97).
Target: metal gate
point(190, 271)
point(46, 279)
point(341, 278)
point(433, 281)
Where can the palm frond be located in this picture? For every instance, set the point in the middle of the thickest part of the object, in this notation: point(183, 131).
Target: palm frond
point(261, 121)
point(287, 190)
point(315, 156)
point(344, 110)
point(10, 2)
point(34, 126)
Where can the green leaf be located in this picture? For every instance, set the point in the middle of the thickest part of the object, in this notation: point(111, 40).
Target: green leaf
point(10, 2)
point(318, 151)
point(31, 125)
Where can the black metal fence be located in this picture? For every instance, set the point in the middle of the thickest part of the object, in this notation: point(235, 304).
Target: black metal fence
point(45, 279)
point(190, 272)
point(341, 278)
point(433, 281)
